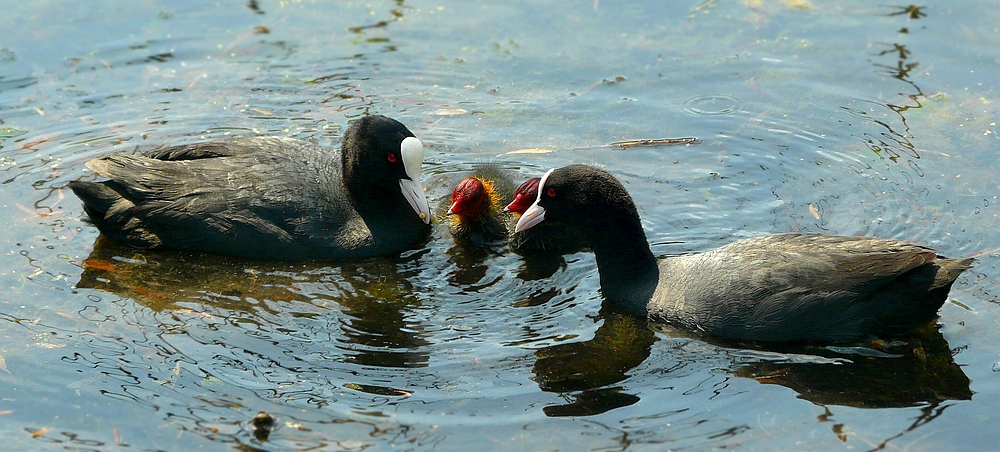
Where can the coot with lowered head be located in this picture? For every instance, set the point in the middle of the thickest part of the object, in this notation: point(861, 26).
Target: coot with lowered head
point(271, 198)
point(781, 287)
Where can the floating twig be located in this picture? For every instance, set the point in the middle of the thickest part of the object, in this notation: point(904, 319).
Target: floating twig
point(617, 144)
point(657, 142)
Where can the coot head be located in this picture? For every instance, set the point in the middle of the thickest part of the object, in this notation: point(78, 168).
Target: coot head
point(475, 214)
point(524, 196)
point(581, 196)
point(379, 150)
point(469, 197)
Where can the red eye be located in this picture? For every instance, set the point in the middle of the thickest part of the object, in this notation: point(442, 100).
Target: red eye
point(391, 158)
point(551, 192)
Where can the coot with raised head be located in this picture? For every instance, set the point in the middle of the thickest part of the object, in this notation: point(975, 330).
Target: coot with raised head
point(272, 198)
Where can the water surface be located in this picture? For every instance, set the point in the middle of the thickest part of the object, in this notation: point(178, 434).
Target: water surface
point(846, 118)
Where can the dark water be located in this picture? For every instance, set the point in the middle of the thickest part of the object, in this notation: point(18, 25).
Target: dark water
point(845, 118)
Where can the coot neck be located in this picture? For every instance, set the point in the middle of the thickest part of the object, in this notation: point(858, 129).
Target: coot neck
point(372, 197)
point(627, 267)
point(383, 208)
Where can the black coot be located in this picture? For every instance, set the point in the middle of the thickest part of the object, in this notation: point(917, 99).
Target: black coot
point(782, 287)
point(267, 197)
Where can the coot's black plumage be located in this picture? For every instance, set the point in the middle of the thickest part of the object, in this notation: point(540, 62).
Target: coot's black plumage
point(782, 287)
point(267, 197)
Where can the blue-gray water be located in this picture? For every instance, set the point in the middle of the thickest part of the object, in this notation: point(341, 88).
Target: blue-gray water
point(834, 117)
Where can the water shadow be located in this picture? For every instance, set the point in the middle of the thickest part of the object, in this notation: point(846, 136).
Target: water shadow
point(919, 370)
point(373, 295)
point(587, 373)
point(913, 371)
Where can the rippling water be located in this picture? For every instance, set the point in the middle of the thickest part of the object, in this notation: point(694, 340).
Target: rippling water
point(848, 118)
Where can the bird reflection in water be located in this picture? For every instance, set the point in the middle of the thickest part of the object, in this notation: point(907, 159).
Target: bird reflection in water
point(905, 372)
point(373, 294)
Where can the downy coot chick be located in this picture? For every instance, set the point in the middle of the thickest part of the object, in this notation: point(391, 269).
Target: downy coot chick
point(476, 212)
